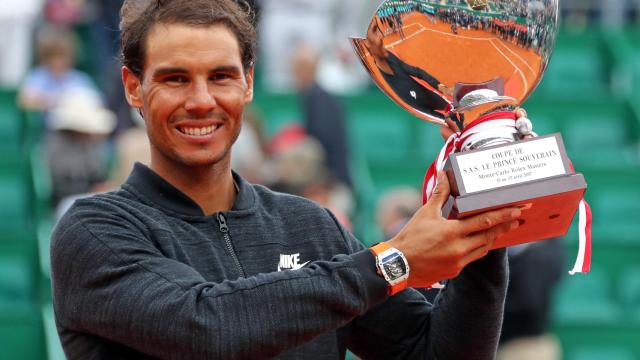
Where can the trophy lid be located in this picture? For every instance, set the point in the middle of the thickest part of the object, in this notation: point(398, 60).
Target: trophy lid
point(437, 56)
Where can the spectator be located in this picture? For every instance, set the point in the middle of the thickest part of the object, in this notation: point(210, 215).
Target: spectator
point(76, 148)
point(301, 170)
point(249, 156)
point(55, 75)
point(105, 36)
point(324, 115)
point(326, 24)
point(64, 12)
point(132, 146)
point(395, 208)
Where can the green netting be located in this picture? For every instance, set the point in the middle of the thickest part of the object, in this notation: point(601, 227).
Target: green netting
point(587, 300)
point(54, 347)
point(577, 68)
point(380, 130)
point(579, 338)
point(16, 283)
point(379, 137)
point(15, 207)
point(21, 333)
point(429, 143)
point(616, 215)
point(565, 79)
point(275, 111)
point(600, 353)
point(629, 292)
point(11, 123)
point(597, 139)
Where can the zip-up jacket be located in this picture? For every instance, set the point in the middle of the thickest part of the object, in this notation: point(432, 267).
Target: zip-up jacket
point(143, 273)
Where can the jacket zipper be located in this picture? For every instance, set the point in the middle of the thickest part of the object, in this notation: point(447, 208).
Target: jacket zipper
point(224, 229)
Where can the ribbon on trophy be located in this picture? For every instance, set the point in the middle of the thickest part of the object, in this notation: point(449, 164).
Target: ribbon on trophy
point(504, 122)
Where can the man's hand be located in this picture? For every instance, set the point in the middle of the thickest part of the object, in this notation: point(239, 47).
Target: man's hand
point(444, 89)
point(438, 249)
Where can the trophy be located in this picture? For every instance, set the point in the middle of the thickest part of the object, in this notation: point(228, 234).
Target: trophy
point(473, 63)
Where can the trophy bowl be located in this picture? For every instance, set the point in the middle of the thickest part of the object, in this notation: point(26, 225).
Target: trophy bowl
point(474, 62)
point(427, 55)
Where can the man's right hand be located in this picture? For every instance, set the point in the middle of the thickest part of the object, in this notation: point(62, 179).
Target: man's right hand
point(438, 249)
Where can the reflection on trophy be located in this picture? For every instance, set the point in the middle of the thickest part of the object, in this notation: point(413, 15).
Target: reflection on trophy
point(479, 4)
point(473, 63)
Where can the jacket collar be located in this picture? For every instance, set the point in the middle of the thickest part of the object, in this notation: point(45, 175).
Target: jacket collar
point(159, 191)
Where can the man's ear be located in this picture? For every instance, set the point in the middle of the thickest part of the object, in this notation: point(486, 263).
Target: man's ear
point(132, 88)
point(249, 91)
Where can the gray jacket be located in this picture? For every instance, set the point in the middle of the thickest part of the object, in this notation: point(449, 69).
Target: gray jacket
point(142, 273)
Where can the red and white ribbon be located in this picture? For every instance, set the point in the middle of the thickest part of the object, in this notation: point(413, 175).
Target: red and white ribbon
point(430, 178)
point(491, 124)
point(583, 260)
point(497, 122)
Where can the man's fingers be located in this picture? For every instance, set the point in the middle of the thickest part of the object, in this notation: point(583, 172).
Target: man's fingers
point(440, 194)
point(489, 219)
point(478, 253)
point(484, 240)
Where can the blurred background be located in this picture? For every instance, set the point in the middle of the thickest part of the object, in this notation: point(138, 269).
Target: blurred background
point(318, 128)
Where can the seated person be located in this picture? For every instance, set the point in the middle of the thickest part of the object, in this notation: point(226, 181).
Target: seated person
point(55, 73)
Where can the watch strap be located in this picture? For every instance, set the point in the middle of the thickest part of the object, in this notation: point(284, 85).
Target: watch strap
point(394, 289)
point(379, 249)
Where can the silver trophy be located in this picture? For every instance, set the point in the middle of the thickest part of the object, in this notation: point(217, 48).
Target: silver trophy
point(474, 62)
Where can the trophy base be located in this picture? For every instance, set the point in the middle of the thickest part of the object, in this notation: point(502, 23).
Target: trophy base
point(548, 207)
point(533, 174)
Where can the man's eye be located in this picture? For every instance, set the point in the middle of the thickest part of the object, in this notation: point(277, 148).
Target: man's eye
point(179, 79)
point(220, 76)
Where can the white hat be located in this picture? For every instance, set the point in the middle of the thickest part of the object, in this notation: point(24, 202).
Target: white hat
point(81, 110)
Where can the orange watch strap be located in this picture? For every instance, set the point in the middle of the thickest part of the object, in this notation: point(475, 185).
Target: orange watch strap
point(379, 249)
point(394, 289)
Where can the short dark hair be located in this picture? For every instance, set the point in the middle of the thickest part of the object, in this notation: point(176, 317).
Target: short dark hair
point(137, 17)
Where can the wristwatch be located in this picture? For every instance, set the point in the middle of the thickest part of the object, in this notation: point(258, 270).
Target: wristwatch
point(392, 265)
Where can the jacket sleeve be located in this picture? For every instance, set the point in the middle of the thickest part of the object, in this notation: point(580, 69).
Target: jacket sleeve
point(421, 74)
point(464, 323)
point(109, 284)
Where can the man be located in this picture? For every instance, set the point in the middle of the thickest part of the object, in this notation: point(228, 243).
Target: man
point(189, 261)
point(407, 81)
point(324, 116)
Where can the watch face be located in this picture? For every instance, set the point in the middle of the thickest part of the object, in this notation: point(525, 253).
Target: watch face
point(395, 268)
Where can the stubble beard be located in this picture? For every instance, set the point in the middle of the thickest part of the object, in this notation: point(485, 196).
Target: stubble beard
point(188, 161)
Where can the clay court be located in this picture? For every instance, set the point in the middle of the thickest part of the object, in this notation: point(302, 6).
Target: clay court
point(473, 55)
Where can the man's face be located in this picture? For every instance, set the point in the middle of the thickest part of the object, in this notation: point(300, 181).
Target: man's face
point(375, 40)
point(192, 94)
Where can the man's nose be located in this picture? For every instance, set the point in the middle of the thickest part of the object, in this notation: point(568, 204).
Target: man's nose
point(201, 98)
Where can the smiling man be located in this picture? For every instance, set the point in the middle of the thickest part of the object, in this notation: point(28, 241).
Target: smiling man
point(189, 261)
